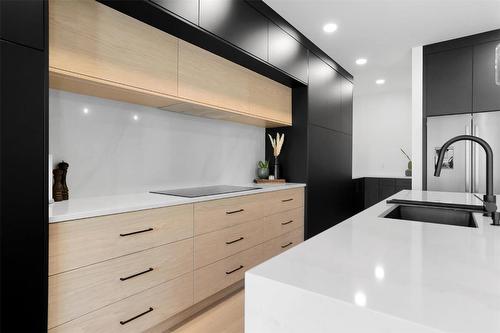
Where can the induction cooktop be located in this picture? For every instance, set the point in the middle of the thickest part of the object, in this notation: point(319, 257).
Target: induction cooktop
point(194, 192)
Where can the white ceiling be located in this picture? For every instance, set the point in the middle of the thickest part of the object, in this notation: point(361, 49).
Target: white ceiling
point(384, 31)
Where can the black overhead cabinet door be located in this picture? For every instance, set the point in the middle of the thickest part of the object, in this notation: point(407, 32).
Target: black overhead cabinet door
point(486, 90)
point(448, 82)
point(21, 21)
point(187, 9)
point(346, 113)
point(238, 23)
point(286, 53)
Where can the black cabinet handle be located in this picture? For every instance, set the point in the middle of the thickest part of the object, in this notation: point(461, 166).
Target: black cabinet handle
point(137, 274)
point(286, 200)
point(285, 223)
point(236, 240)
point(235, 211)
point(135, 317)
point(234, 270)
point(136, 232)
point(286, 245)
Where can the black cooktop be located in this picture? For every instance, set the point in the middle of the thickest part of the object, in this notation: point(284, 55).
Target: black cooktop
point(194, 192)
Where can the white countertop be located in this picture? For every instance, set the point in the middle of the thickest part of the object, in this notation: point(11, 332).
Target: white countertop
point(74, 209)
point(371, 274)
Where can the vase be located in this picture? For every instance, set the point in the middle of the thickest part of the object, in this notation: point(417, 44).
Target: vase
point(263, 173)
point(276, 168)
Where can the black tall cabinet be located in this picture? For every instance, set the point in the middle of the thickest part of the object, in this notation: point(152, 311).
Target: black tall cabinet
point(23, 166)
point(318, 148)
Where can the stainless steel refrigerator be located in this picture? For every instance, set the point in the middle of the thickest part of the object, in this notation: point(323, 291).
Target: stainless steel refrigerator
point(464, 168)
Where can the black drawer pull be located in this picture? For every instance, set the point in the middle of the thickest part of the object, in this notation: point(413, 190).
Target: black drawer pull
point(137, 274)
point(136, 232)
point(286, 200)
point(123, 322)
point(235, 211)
point(285, 223)
point(286, 245)
point(234, 270)
point(236, 240)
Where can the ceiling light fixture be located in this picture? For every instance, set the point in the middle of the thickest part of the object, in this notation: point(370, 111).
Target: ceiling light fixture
point(361, 61)
point(380, 81)
point(329, 27)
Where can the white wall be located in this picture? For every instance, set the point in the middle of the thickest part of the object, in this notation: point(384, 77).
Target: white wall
point(417, 111)
point(109, 152)
point(381, 126)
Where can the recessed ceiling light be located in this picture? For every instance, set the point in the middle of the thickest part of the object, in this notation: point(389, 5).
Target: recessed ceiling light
point(380, 81)
point(361, 61)
point(329, 27)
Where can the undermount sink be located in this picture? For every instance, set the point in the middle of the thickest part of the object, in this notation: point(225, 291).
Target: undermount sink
point(439, 215)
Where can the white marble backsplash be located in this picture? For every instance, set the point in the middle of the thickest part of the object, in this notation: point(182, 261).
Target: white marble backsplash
point(121, 148)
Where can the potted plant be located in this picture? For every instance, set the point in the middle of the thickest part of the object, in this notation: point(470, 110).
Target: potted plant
point(263, 169)
point(407, 171)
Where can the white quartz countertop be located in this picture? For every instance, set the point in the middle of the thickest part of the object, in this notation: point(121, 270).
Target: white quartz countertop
point(383, 275)
point(74, 209)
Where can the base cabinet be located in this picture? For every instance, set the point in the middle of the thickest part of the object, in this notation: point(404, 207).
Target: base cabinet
point(369, 190)
point(145, 267)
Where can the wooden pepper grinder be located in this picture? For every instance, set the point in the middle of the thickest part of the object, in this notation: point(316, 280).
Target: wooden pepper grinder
point(57, 187)
point(64, 167)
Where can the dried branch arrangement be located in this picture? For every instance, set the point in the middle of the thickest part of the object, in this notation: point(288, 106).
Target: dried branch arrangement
point(277, 143)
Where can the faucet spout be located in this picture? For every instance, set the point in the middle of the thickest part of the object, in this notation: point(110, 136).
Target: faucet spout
point(489, 198)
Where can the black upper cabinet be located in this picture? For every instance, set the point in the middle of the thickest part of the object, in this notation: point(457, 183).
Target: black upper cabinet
point(486, 91)
point(22, 21)
point(238, 23)
point(448, 82)
point(346, 115)
point(325, 86)
point(286, 53)
point(187, 9)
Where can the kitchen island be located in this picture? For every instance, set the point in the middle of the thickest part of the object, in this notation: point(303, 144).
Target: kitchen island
point(374, 274)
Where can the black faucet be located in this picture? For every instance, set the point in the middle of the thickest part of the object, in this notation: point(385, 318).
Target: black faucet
point(489, 199)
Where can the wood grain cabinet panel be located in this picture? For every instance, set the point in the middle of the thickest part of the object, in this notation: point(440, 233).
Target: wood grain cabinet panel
point(284, 222)
point(74, 244)
point(80, 291)
point(149, 308)
point(280, 201)
point(208, 78)
point(219, 214)
point(100, 42)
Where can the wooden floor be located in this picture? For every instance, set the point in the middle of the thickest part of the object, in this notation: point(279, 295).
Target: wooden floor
point(225, 317)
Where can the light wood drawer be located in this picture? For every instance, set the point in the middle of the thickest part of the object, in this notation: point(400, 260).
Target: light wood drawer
point(74, 244)
point(77, 292)
point(282, 243)
point(284, 222)
point(218, 214)
point(156, 305)
point(280, 201)
point(221, 274)
point(220, 244)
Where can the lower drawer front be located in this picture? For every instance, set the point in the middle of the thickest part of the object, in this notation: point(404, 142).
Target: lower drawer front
point(209, 248)
point(139, 312)
point(281, 223)
point(221, 274)
point(77, 292)
point(76, 244)
point(280, 201)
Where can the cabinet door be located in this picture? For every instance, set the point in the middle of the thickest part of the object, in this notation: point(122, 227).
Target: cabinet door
point(23, 175)
point(448, 82)
point(286, 53)
point(330, 181)
point(187, 9)
point(486, 90)
point(236, 22)
point(325, 100)
point(346, 113)
point(371, 192)
point(22, 21)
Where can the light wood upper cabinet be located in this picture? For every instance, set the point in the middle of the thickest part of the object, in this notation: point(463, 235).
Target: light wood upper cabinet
point(98, 51)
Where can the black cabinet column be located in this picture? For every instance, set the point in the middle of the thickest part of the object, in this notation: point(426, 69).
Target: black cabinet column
point(23, 167)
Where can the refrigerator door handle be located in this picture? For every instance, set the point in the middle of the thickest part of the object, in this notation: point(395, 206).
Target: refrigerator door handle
point(468, 150)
